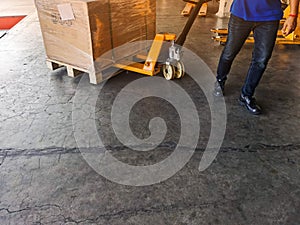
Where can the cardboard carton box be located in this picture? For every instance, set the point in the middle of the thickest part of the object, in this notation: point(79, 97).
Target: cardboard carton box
point(78, 32)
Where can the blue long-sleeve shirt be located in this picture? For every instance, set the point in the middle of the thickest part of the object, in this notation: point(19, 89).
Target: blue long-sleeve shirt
point(257, 10)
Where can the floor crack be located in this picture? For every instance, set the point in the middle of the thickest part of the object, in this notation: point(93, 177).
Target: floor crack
point(3, 158)
point(45, 207)
point(152, 209)
point(12, 152)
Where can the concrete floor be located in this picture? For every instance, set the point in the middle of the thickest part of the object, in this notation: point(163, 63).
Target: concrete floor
point(16, 7)
point(44, 179)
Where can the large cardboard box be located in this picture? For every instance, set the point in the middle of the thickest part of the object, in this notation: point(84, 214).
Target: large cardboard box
point(77, 32)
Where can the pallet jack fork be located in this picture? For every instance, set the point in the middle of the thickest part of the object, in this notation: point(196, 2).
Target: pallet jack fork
point(172, 67)
point(190, 5)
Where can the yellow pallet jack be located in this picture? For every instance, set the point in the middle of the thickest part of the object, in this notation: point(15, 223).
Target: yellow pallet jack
point(172, 67)
point(291, 39)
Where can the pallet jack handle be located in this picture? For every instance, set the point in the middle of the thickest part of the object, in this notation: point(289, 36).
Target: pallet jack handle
point(181, 39)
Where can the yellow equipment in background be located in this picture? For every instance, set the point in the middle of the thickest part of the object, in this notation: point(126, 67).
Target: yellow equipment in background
point(293, 38)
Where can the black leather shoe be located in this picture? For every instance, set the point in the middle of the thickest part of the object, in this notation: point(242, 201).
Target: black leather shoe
point(219, 88)
point(250, 104)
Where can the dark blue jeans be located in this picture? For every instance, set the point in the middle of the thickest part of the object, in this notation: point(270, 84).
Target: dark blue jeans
point(264, 36)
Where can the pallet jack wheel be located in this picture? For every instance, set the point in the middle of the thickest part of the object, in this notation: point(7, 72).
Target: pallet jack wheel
point(168, 71)
point(179, 70)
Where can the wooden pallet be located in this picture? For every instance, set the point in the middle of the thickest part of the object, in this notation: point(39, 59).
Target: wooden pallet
point(74, 71)
point(95, 77)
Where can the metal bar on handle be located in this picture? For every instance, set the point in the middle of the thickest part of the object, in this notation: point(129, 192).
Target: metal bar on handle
point(181, 39)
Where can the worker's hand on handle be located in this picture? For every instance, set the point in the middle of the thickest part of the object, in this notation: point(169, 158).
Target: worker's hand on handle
point(289, 26)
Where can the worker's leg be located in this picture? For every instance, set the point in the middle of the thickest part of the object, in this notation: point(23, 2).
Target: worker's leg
point(265, 34)
point(238, 31)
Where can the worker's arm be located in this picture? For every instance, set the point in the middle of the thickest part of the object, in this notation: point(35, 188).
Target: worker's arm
point(291, 22)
